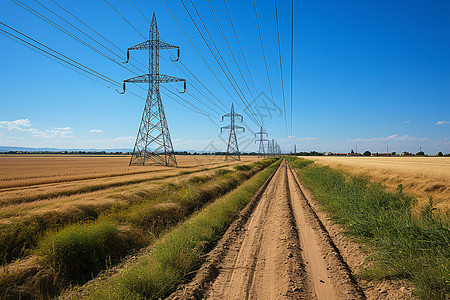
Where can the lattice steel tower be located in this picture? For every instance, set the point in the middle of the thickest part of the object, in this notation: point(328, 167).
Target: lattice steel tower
point(233, 148)
point(153, 143)
point(261, 140)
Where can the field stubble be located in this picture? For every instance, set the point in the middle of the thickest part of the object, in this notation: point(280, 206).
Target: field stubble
point(181, 186)
point(420, 176)
point(73, 200)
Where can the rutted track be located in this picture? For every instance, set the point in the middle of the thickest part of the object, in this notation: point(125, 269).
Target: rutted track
point(280, 251)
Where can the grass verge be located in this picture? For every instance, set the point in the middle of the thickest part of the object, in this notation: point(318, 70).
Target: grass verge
point(179, 253)
point(413, 247)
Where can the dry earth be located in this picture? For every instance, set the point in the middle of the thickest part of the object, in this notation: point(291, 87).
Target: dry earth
point(280, 248)
point(420, 176)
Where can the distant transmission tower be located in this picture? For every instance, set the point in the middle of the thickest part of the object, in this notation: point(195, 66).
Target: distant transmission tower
point(273, 147)
point(153, 143)
point(261, 140)
point(232, 148)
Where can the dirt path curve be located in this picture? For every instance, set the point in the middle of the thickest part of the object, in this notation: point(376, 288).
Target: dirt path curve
point(281, 252)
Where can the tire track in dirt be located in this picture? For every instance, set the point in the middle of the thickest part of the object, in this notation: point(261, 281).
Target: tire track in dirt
point(282, 252)
point(329, 276)
point(262, 252)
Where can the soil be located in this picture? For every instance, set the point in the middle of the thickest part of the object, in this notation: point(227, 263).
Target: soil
point(283, 247)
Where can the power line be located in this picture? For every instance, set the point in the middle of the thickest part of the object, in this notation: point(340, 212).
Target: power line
point(198, 52)
point(128, 22)
point(91, 29)
point(187, 69)
point(125, 19)
point(47, 20)
point(226, 75)
point(240, 48)
point(12, 37)
point(76, 66)
point(193, 105)
point(292, 54)
point(202, 102)
point(234, 59)
point(63, 60)
point(103, 37)
point(281, 66)
point(198, 89)
point(229, 49)
point(140, 11)
point(244, 100)
point(264, 55)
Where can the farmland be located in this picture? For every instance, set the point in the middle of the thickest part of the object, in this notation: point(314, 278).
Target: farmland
point(92, 227)
point(42, 194)
point(420, 176)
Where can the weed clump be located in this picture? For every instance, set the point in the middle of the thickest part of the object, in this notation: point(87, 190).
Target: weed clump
point(79, 251)
point(243, 167)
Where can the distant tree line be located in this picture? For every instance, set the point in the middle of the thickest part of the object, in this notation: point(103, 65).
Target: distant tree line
point(115, 153)
point(68, 152)
point(311, 153)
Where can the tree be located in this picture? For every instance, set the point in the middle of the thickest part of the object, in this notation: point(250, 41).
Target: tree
point(393, 153)
point(367, 153)
point(440, 153)
point(420, 153)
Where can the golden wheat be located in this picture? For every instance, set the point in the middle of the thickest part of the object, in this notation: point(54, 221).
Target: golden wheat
point(100, 193)
point(420, 176)
point(26, 170)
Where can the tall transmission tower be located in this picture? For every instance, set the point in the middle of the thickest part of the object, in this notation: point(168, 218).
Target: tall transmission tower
point(261, 140)
point(233, 148)
point(153, 143)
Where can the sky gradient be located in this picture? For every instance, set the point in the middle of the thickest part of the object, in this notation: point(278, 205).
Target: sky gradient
point(366, 73)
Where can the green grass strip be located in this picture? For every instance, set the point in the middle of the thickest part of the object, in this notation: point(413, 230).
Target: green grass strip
point(414, 247)
point(179, 253)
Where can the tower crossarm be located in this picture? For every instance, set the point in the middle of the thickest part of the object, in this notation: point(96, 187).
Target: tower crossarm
point(230, 115)
point(152, 45)
point(159, 78)
point(230, 127)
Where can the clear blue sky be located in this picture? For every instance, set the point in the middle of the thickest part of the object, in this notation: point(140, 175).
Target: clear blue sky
point(366, 73)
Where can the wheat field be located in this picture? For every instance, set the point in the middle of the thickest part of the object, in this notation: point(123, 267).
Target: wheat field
point(420, 176)
point(69, 185)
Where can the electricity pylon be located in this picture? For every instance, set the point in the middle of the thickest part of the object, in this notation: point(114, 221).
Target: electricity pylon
point(232, 148)
point(273, 147)
point(153, 143)
point(261, 140)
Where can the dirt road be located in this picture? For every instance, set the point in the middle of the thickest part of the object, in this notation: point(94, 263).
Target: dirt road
point(282, 251)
